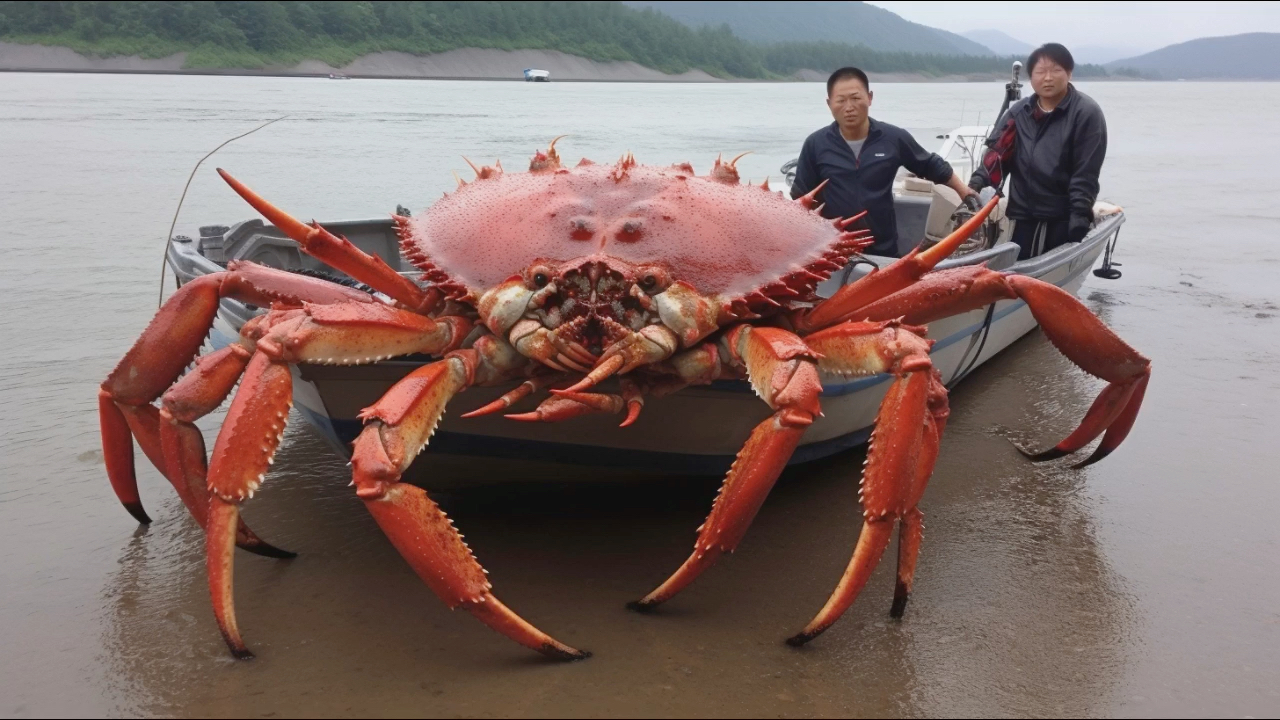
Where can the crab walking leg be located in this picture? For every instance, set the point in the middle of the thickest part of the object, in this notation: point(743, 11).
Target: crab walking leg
point(1077, 333)
point(1094, 348)
point(338, 252)
point(893, 462)
point(168, 345)
point(911, 527)
point(848, 301)
point(159, 356)
point(903, 449)
point(398, 426)
point(782, 371)
point(249, 438)
point(198, 393)
point(254, 426)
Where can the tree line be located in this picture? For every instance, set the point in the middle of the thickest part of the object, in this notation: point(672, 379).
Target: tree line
point(253, 34)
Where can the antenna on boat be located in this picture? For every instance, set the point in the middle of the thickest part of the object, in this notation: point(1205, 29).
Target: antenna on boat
point(1012, 91)
point(164, 263)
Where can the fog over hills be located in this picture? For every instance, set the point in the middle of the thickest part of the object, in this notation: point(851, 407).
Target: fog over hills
point(855, 23)
point(1251, 56)
point(1001, 43)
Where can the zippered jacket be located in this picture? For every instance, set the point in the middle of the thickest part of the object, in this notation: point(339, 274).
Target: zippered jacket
point(1054, 157)
point(864, 182)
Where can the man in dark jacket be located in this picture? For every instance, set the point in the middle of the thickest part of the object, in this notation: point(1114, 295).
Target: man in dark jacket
point(1053, 144)
point(859, 157)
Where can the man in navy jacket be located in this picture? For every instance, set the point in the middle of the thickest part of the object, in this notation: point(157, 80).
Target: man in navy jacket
point(859, 157)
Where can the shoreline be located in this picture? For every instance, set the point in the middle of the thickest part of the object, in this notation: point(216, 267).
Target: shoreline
point(460, 64)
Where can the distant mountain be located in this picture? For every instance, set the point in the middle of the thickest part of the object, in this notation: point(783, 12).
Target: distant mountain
point(855, 23)
point(1252, 56)
point(999, 42)
point(1101, 54)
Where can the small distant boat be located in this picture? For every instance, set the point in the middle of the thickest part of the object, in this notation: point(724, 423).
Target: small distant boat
point(534, 75)
point(338, 76)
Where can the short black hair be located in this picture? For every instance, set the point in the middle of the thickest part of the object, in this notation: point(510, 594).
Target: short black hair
point(845, 73)
point(1055, 52)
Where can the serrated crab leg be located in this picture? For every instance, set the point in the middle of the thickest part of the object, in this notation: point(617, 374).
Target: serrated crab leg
point(1075, 331)
point(338, 252)
point(848, 302)
point(782, 370)
point(398, 428)
point(901, 456)
point(254, 426)
point(166, 348)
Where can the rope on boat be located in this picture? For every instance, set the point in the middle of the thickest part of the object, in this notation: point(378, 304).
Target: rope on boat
point(986, 330)
point(164, 262)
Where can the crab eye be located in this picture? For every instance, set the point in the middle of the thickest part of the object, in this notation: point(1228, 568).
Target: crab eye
point(654, 280)
point(540, 279)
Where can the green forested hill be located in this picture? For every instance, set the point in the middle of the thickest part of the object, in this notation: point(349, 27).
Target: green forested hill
point(237, 34)
point(851, 23)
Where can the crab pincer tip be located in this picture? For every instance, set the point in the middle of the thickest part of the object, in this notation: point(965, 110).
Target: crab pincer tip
point(135, 509)
point(633, 413)
point(800, 639)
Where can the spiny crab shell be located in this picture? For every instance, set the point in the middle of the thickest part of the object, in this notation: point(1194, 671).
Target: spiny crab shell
point(625, 243)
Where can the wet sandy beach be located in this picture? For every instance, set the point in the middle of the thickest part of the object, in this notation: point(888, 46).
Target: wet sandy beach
point(1148, 584)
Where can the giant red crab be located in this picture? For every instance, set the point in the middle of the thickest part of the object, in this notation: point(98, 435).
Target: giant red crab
point(561, 278)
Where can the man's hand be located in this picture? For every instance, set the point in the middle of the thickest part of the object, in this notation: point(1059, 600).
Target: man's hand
point(966, 193)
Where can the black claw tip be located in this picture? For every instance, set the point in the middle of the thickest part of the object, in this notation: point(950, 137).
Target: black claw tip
point(1095, 457)
point(242, 654)
point(1050, 454)
point(558, 653)
point(899, 607)
point(641, 606)
point(800, 639)
point(135, 509)
point(268, 550)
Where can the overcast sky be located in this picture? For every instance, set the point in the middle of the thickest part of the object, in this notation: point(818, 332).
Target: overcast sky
point(1143, 26)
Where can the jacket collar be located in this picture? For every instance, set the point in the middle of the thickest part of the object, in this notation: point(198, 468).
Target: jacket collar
point(873, 130)
point(1033, 104)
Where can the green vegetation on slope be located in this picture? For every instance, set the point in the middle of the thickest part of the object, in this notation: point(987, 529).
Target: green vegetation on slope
point(238, 34)
point(850, 23)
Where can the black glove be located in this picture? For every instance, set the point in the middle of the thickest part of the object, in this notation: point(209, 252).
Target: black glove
point(1077, 227)
point(973, 203)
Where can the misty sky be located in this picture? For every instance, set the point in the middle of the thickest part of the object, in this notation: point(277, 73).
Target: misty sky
point(1143, 26)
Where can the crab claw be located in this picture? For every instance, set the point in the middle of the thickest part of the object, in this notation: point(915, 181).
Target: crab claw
point(652, 344)
point(602, 371)
point(524, 390)
point(571, 405)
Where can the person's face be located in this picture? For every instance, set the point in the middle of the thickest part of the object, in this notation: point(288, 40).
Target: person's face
point(1049, 79)
point(849, 102)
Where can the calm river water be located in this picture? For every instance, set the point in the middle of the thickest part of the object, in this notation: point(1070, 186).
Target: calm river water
point(1146, 584)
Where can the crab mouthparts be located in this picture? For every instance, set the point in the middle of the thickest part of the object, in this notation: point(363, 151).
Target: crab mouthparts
point(595, 306)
